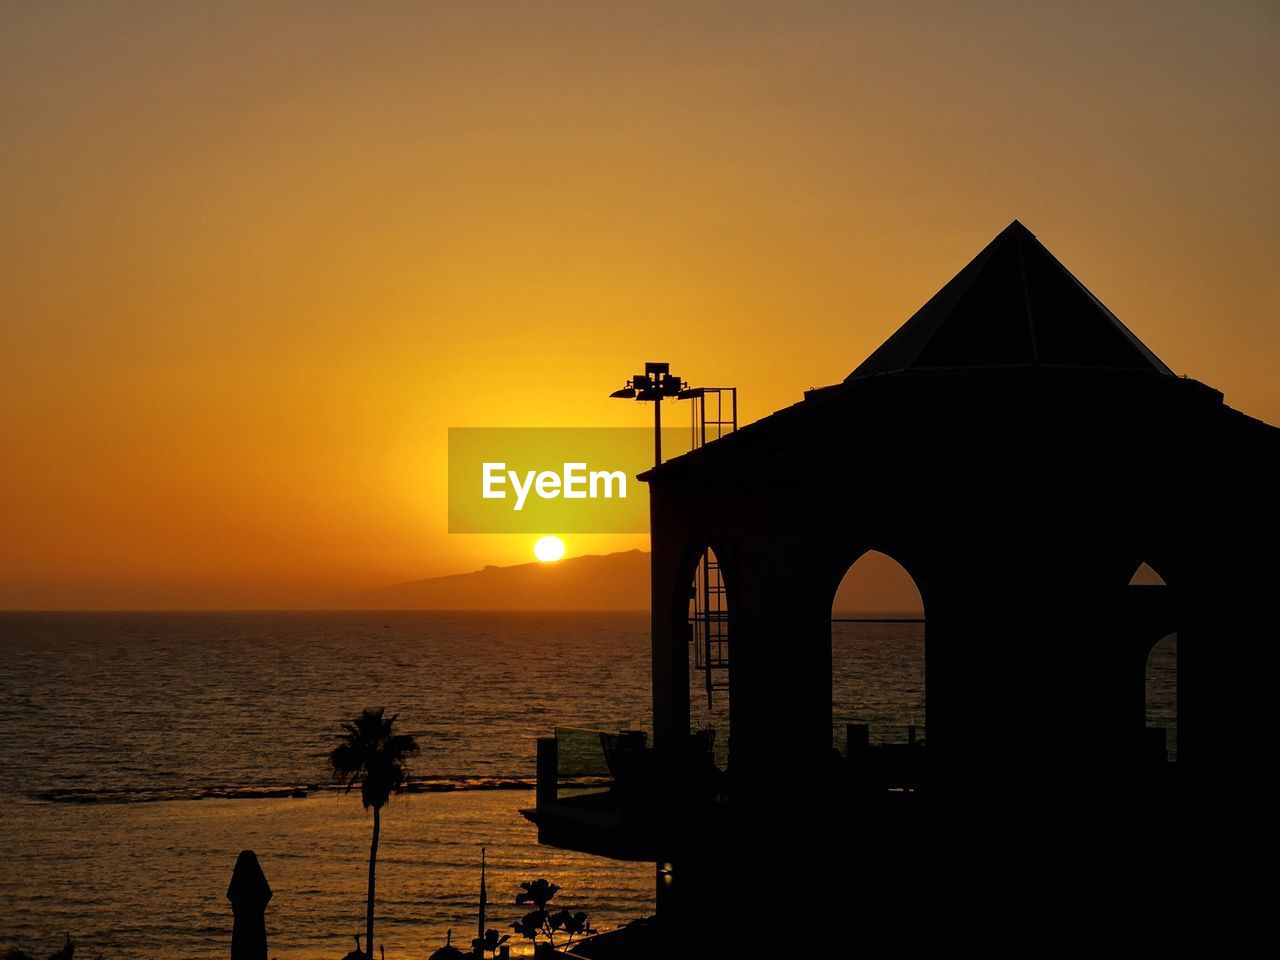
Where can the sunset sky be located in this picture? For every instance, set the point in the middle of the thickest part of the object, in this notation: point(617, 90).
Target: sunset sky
point(256, 259)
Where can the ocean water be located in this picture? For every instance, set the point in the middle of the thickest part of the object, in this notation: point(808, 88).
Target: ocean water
point(142, 752)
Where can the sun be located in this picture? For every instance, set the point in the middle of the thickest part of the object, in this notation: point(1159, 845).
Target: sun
point(549, 549)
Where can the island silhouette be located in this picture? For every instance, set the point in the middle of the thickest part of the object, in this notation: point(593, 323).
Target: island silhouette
point(613, 581)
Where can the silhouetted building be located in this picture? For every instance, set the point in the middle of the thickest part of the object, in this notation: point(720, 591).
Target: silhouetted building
point(1020, 453)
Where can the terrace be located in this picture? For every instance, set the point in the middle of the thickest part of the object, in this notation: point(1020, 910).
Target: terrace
point(604, 790)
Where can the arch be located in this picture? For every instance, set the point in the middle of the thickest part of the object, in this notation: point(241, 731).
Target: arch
point(842, 561)
point(703, 612)
point(1162, 566)
point(1146, 576)
point(878, 655)
point(1151, 628)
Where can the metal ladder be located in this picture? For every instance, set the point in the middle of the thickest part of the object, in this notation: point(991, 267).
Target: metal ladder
point(715, 414)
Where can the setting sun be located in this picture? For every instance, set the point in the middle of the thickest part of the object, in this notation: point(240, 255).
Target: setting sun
point(549, 549)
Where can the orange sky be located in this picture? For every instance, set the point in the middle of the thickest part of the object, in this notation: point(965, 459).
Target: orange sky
point(255, 259)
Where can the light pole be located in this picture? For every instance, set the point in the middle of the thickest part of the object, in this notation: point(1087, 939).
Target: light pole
point(656, 383)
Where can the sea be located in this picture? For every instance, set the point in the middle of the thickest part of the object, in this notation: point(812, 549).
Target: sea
point(141, 752)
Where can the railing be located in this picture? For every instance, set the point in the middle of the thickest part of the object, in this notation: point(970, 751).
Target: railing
point(886, 756)
point(871, 732)
point(585, 752)
point(585, 756)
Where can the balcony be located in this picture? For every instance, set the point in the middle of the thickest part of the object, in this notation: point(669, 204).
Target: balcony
point(597, 792)
point(603, 790)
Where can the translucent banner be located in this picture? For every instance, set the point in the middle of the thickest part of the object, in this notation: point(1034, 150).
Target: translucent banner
point(553, 479)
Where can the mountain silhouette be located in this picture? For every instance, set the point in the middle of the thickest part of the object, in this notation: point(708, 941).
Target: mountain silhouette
point(614, 581)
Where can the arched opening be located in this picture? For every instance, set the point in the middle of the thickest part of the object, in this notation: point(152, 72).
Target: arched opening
point(1159, 643)
point(709, 655)
point(1145, 576)
point(877, 656)
point(1162, 699)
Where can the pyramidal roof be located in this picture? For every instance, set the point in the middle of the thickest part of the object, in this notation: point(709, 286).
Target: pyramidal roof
point(1014, 305)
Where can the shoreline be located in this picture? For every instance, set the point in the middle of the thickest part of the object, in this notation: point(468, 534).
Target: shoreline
point(136, 880)
point(91, 796)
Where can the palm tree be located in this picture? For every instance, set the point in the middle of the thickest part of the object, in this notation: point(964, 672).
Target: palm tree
point(371, 754)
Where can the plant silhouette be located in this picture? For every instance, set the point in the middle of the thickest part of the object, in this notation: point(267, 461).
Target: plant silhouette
point(541, 921)
point(490, 943)
point(370, 753)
